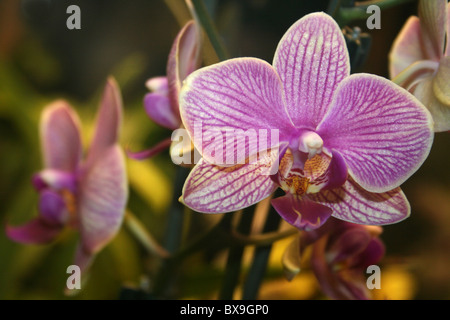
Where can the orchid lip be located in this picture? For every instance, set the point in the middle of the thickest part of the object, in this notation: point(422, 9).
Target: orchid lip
point(311, 143)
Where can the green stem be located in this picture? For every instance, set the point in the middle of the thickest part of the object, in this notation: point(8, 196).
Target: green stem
point(235, 254)
point(347, 14)
point(210, 29)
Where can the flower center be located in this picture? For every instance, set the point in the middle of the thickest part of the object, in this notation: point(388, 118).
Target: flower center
point(311, 143)
point(295, 184)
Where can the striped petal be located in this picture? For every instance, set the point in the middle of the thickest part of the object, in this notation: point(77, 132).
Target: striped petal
point(102, 198)
point(239, 100)
point(354, 204)
point(311, 59)
point(60, 137)
point(382, 131)
point(214, 189)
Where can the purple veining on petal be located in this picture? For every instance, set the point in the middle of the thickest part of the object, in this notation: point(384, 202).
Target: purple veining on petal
point(234, 97)
point(381, 130)
point(354, 204)
point(214, 189)
point(102, 199)
point(311, 59)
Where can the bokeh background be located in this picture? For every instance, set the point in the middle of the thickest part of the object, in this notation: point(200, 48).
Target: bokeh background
point(41, 60)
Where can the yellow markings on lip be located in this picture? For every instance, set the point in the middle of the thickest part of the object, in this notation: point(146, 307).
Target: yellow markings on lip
point(69, 200)
point(296, 184)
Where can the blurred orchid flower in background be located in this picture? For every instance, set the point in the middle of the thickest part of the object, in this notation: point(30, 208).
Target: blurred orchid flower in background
point(341, 252)
point(161, 103)
point(90, 194)
point(346, 142)
point(419, 62)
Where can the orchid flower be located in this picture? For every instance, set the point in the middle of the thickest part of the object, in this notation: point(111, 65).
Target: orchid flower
point(88, 194)
point(345, 142)
point(419, 59)
point(161, 103)
point(341, 252)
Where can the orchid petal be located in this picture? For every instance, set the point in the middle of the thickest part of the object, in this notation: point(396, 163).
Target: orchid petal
point(406, 48)
point(439, 111)
point(354, 204)
point(351, 242)
point(184, 58)
point(158, 108)
point(109, 117)
point(311, 59)
point(36, 231)
point(214, 189)
point(441, 83)
point(433, 23)
point(158, 85)
point(301, 213)
point(373, 253)
point(382, 131)
point(236, 99)
point(60, 137)
point(102, 199)
point(447, 49)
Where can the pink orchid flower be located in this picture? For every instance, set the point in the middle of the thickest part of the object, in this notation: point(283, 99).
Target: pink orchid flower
point(88, 194)
point(341, 252)
point(419, 59)
point(346, 142)
point(161, 103)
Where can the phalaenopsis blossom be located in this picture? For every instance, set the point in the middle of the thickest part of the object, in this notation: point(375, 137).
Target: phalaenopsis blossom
point(88, 193)
point(341, 253)
point(344, 143)
point(420, 61)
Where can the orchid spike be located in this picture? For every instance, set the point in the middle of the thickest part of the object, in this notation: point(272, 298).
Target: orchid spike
point(88, 194)
point(340, 254)
point(345, 143)
point(419, 59)
point(161, 104)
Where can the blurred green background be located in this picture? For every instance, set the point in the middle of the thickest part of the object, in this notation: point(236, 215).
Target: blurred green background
point(41, 60)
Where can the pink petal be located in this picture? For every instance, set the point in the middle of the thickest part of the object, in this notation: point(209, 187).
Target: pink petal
point(60, 137)
point(102, 199)
point(36, 231)
point(350, 243)
point(303, 213)
point(439, 111)
point(433, 23)
point(214, 189)
point(354, 204)
point(311, 59)
point(158, 108)
point(184, 58)
point(382, 131)
point(231, 99)
point(406, 48)
point(109, 117)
